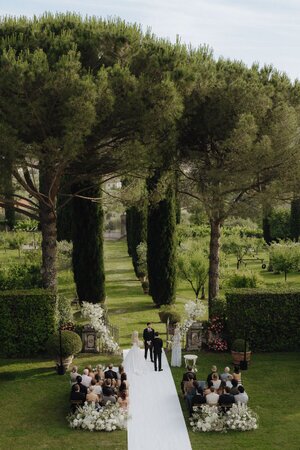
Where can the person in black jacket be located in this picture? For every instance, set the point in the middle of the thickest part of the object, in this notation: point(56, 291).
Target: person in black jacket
point(111, 374)
point(226, 399)
point(148, 336)
point(157, 347)
point(82, 387)
point(189, 374)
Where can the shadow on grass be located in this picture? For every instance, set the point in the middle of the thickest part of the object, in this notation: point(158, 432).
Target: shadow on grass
point(25, 374)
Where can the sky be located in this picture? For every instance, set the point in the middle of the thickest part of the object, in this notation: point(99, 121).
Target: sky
point(263, 31)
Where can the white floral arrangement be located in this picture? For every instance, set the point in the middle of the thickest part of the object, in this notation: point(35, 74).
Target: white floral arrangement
point(193, 310)
point(95, 314)
point(107, 418)
point(210, 418)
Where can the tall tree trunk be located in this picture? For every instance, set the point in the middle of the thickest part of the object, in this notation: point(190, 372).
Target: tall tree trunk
point(49, 232)
point(214, 261)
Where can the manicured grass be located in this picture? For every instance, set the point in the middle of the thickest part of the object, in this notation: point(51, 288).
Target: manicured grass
point(35, 399)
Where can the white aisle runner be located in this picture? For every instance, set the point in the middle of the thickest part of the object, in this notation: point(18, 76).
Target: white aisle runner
point(156, 420)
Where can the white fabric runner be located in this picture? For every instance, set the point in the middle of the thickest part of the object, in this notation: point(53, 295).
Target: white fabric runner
point(156, 420)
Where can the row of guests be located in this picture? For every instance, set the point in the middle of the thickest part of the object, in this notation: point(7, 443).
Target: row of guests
point(222, 390)
point(99, 386)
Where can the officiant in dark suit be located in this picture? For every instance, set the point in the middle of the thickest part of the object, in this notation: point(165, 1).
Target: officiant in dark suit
point(148, 336)
point(157, 348)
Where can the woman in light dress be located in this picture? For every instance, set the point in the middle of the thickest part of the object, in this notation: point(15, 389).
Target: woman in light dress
point(176, 348)
point(134, 362)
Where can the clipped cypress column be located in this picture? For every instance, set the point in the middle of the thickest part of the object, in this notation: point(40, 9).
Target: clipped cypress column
point(87, 234)
point(161, 243)
point(129, 230)
point(295, 219)
point(64, 215)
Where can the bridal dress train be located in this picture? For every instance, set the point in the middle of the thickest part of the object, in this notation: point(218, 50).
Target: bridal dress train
point(134, 361)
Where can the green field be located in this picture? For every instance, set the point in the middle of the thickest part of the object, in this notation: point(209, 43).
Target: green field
point(35, 400)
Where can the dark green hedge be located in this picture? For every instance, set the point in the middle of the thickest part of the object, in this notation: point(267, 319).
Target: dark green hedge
point(270, 318)
point(27, 318)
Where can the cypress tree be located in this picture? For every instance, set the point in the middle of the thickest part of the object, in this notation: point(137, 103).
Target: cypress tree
point(64, 216)
point(295, 219)
point(266, 225)
point(10, 214)
point(129, 230)
point(87, 233)
point(138, 231)
point(161, 244)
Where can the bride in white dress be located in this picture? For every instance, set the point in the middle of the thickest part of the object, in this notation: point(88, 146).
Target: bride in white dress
point(176, 348)
point(134, 361)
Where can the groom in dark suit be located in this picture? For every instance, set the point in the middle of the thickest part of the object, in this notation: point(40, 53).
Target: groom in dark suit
point(157, 347)
point(148, 336)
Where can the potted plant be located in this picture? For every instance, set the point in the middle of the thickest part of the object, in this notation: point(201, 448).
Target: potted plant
point(64, 351)
point(240, 349)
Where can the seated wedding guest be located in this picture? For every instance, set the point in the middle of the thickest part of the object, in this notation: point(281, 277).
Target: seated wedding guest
point(212, 398)
point(234, 390)
point(225, 375)
point(199, 398)
point(215, 380)
point(237, 375)
point(100, 372)
point(107, 388)
point(189, 373)
point(221, 388)
point(98, 380)
point(207, 389)
point(229, 381)
point(242, 396)
point(122, 388)
point(124, 379)
point(91, 372)
point(74, 374)
point(123, 400)
point(119, 373)
point(82, 387)
point(226, 399)
point(190, 390)
point(97, 388)
point(86, 379)
point(91, 396)
point(213, 371)
point(77, 396)
point(108, 393)
point(111, 374)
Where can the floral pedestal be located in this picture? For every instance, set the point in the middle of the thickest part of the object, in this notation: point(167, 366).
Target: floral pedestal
point(194, 337)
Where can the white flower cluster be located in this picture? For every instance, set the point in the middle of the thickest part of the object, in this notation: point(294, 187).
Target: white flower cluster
point(193, 310)
point(95, 314)
point(240, 417)
point(210, 418)
point(108, 418)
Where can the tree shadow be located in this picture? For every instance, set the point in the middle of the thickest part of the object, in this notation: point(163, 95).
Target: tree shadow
point(37, 373)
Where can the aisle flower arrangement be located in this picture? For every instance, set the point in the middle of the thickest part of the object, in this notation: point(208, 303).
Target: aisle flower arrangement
point(193, 310)
point(107, 418)
point(95, 314)
point(209, 418)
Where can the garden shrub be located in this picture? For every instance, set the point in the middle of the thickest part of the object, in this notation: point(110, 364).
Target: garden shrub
point(23, 275)
point(64, 312)
point(270, 318)
point(27, 318)
point(70, 344)
point(240, 280)
point(170, 313)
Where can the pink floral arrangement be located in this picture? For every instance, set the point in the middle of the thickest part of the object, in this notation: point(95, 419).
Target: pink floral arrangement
point(215, 340)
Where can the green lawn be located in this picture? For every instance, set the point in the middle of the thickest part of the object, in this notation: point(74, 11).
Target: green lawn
point(35, 400)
